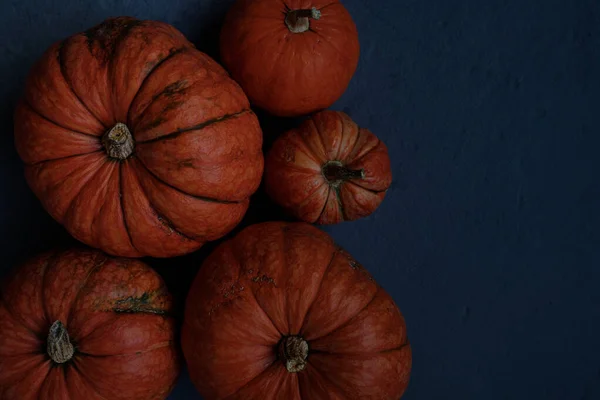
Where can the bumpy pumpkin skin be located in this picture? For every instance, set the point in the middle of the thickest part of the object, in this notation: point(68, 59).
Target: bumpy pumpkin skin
point(328, 170)
point(136, 142)
point(290, 72)
point(274, 286)
point(116, 314)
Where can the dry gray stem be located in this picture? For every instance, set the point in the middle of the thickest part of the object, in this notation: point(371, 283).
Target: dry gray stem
point(60, 349)
point(298, 21)
point(118, 142)
point(293, 350)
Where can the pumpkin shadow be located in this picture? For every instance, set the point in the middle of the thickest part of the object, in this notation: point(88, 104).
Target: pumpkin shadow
point(207, 27)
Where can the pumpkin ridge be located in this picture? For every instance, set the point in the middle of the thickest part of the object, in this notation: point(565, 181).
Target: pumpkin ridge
point(257, 377)
point(303, 142)
point(63, 158)
point(277, 58)
point(12, 315)
point(324, 40)
point(261, 308)
point(54, 122)
point(334, 253)
point(203, 198)
point(92, 271)
point(84, 378)
point(324, 205)
point(362, 156)
point(237, 282)
point(355, 141)
point(90, 176)
point(70, 85)
point(367, 189)
point(320, 135)
point(197, 127)
point(100, 210)
point(162, 218)
point(158, 346)
point(39, 390)
point(310, 196)
point(50, 263)
point(330, 4)
point(324, 379)
point(123, 215)
point(285, 251)
point(349, 321)
point(168, 57)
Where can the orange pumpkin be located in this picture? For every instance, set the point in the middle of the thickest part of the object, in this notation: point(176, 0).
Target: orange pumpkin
point(280, 312)
point(293, 57)
point(328, 170)
point(80, 325)
point(136, 142)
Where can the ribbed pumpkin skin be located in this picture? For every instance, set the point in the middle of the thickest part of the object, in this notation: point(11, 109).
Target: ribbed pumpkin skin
point(276, 280)
point(116, 314)
point(295, 175)
point(286, 73)
point(197, 145)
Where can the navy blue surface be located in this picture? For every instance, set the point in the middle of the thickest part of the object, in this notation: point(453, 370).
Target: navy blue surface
point(488, 239)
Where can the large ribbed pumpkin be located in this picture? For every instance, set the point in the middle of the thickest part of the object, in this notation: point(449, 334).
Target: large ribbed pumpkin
point(135, 141)
point(292, 57)
point(80, 325)
point(280, 312)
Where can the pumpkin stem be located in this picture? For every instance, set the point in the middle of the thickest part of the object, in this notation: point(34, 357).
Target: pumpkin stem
point(60, 349)
point(335, 172)
point(118, 142)
point(293, 350)
point(298, 21)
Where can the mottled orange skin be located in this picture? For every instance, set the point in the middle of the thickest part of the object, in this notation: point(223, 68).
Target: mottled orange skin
point(116, 312)
point(286, 73)
point(274, 280)
point(198, 146)
point(295, 180)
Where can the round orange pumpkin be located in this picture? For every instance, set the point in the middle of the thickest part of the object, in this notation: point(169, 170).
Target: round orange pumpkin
point(328, 170)
point(280, 312)
point(293, 57)
point(136, 142)
point(80, 325)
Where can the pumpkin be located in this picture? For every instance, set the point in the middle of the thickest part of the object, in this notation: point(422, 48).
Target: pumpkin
point(78, 324)
point(139, 144)
point(292, 58)
point(281, 312)
point(328, 170)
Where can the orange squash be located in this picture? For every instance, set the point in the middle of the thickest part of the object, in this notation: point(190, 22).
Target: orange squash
point(139, 144)
point(292, 58)
point(281, 312)
point(80, 325)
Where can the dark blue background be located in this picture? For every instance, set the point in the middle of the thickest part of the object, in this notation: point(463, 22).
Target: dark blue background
point(488, 239)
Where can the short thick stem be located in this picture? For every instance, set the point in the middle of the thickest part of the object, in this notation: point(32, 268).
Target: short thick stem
point(336, 172)
point(298, 21)
point(293, 351)
point(59, 346)
point(118, 142)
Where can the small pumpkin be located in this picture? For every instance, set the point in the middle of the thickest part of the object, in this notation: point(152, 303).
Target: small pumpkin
point(328, 170)
point(281, 312)
point(292, 58)
point(78, 324)
point(136, 142)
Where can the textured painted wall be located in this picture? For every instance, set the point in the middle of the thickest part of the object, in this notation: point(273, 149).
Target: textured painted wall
point(488, 239)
